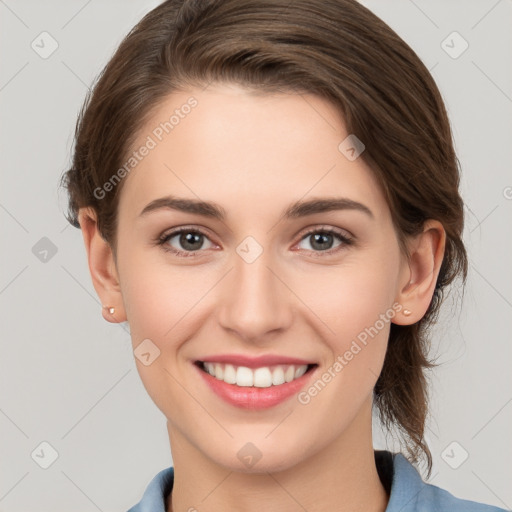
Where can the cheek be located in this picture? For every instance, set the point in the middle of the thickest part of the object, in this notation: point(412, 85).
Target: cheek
point(157, 294)
point(158, 301)
point(353, 306)
point(352, 297)
point(163, 303)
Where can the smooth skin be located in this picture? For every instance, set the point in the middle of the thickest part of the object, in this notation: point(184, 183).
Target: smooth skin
point(254, 155)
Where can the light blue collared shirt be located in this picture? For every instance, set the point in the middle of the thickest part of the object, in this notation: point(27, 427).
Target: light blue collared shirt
point(408, 492)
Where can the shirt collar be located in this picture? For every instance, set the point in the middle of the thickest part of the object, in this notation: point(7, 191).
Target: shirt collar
point(407, 491)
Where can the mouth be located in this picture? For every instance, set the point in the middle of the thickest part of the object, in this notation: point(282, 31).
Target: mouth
point(255, 387)
point(260, 377)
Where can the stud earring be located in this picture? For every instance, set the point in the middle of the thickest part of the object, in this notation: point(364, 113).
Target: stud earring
point(111, 310)
point(407, 312)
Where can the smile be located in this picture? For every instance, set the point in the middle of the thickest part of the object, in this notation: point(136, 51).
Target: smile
point(262, 377)
point(256, 387)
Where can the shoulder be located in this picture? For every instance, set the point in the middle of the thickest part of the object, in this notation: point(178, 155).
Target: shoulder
point(153, 499)
point(409, 493)
point(434, 498)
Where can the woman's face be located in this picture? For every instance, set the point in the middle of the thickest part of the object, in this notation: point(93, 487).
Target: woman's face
point(257, 282)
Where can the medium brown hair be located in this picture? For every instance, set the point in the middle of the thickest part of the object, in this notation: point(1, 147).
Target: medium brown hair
point(336, 49)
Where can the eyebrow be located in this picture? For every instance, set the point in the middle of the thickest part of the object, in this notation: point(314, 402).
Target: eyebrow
point(295, 210)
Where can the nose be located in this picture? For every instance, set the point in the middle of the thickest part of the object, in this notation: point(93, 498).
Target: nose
point(256, 302)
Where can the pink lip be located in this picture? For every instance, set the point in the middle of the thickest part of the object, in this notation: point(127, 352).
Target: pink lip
point(253, 362)
point(254, 398)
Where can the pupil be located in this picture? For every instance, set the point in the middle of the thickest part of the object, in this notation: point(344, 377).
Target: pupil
point(318, 237)
point(189, 239)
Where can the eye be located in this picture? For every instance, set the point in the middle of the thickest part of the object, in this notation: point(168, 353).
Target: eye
point(321, 240)
point(191, 240)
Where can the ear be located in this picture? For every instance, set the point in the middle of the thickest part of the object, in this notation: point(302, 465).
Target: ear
point(419, 274)
point(102, 267)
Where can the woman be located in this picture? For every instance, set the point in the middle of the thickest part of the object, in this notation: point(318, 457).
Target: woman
point(268, 194)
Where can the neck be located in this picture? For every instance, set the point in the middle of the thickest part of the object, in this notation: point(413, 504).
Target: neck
point(342, 476)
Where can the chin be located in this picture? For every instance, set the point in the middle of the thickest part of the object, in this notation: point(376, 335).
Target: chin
point(259, 457)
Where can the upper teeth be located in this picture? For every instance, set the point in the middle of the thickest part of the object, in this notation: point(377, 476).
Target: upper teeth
point(263, 377)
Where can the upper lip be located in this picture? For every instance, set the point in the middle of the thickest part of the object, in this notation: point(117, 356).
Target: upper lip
point(254, 362)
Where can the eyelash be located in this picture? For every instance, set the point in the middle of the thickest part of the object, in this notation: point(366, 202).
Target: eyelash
point(163, 239)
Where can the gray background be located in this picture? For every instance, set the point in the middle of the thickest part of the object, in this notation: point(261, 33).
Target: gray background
point(68, 378)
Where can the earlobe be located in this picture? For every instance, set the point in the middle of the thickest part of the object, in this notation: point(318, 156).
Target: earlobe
point(426, 256)
point(102, 267)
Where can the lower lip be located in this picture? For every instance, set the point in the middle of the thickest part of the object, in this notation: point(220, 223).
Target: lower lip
point(252, 397)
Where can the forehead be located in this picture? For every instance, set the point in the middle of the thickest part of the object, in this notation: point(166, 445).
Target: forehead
point(244, 150)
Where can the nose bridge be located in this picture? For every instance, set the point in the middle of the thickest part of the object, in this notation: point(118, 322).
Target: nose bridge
point(256, 301)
